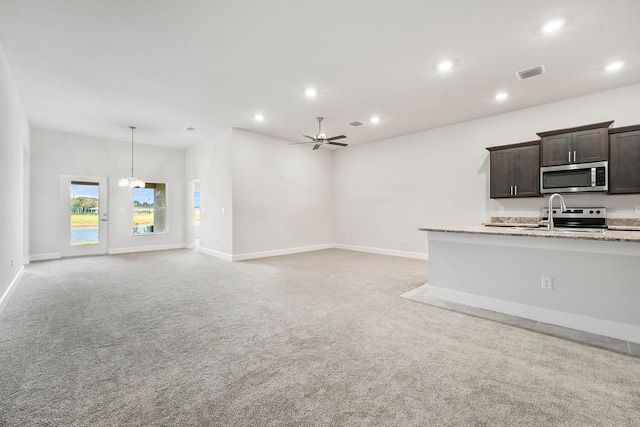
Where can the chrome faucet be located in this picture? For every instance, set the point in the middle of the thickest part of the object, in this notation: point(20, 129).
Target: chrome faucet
point(549, 221)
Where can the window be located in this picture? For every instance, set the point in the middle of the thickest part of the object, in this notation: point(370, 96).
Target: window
point(149, 208)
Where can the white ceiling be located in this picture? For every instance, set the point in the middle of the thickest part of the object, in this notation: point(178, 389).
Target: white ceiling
point(94, 67)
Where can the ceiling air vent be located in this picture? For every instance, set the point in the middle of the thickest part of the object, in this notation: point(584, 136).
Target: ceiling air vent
point(530, 72)
point(356, 123)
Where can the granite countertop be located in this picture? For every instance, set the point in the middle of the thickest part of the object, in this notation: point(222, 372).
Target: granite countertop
point(626, 224)
point(629, 224)
point(529, 231)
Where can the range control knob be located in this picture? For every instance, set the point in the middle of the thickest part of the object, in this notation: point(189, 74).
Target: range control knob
point(590, 212)
point(598, 211)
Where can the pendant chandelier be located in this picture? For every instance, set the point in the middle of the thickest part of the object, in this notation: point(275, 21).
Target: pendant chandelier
point(131, 181)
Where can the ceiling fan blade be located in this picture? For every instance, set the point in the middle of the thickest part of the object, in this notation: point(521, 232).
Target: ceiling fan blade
point(342, 144)
point(317, 146)
point(303, 142)
point(336, 137)
point(310, 137)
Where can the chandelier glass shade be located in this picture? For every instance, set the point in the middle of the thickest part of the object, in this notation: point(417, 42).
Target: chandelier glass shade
point(131, 181)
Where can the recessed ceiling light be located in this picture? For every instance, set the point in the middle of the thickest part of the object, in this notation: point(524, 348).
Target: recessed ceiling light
point(375, 119)
point(310, 92)
point(614, 66)
point(502, 96)
point(259, 117)
point(445, 66)
point(552, 26)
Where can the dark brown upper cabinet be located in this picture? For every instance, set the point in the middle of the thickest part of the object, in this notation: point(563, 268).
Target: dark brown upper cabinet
point(515, 170)
point(624, 164)
point(581, 144)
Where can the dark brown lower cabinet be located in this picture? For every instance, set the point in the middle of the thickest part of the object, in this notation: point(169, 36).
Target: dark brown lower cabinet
point(624, 163)
point(515, 170)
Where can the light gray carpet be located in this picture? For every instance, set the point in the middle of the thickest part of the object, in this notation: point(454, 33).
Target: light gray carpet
point(322, 338)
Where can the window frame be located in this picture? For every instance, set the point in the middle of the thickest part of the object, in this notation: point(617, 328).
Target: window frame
point(154, 208)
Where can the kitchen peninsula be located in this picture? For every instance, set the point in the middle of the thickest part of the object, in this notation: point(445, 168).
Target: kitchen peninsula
point(594, 277)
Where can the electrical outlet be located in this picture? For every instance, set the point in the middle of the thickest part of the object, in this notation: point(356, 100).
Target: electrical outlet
point(638, 209)
point(394, 240)
point(12, 262)
point(346, 236)
point(547, 283)
point(280, 238)
point(502, 209)
point(404, 241)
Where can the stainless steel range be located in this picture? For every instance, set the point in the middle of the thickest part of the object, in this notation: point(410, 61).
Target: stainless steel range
point(578, 219)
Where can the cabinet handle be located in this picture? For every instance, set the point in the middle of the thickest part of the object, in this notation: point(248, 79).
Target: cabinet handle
point(574, 155)
point(511, 190)
point(569, 156)
point(515, 190)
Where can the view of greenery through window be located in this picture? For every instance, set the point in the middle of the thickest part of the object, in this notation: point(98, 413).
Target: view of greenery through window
point(149, 208)
point(84, 213)
point(149, 211)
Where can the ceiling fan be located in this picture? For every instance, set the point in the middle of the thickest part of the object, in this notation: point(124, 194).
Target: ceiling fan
point(321, 138)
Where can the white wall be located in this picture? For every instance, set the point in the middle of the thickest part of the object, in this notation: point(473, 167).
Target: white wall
point(387, 189)
point(211, 163)
point(261, 196)
point(14, 144)
point(54, 153)
point(282, 195)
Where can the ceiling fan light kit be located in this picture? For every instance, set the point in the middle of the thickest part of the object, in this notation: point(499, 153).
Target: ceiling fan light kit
point(321, 138)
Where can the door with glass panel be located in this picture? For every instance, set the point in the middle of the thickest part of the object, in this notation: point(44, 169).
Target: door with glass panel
point(84, 217)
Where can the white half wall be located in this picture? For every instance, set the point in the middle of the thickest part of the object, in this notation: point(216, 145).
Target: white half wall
point(14, 146)
point(384, 191)
point(282, 195)
point(594, 282)
point(54, 153)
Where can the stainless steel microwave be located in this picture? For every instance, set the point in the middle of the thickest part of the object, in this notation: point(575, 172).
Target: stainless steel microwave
point(575, 178)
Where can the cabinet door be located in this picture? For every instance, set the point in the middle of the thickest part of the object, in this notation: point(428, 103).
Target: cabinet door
point(501, 173)
point(527, 171)
point(589, 146)
point(624, 166)
point(555, 149)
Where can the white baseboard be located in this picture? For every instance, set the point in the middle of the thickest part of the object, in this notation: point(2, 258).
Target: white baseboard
point(250, 255)
point(392, 252)
point(44, 257)
point(300, 249)
point(146, 248)
point(278, 252)
point(216, 254)
point(594, 325)
point(4, 299)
